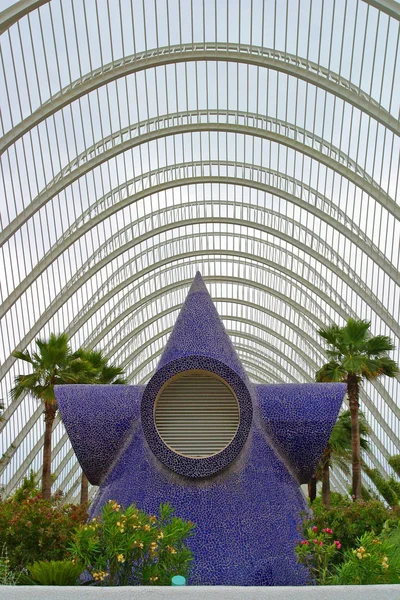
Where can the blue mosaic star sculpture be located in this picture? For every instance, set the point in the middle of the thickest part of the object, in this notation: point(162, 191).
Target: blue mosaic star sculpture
point(245, 500)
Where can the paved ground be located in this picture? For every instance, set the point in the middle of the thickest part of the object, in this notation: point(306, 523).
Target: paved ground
point(372, 592)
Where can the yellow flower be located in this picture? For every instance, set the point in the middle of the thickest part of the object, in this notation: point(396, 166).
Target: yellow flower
point(160, 535)
point(385, 563)
point(171, 549)
point(120, 558)
point(154, 578)
point(99, 575)
point(146, 527)
point(360, 552)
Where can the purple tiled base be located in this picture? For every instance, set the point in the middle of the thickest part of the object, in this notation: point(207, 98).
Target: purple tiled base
point(246, 516)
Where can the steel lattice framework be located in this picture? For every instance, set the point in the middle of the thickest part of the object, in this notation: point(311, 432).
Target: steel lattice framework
point(254, 140)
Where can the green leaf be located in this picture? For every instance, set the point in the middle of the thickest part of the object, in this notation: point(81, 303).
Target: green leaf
point(331, 371)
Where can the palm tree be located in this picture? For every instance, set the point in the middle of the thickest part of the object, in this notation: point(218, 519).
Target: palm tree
point(53, 364)
point(338, 450)
point(103, 374)
point(355, 354)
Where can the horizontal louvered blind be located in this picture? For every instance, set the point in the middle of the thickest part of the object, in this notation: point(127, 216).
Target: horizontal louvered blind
point(197, 415)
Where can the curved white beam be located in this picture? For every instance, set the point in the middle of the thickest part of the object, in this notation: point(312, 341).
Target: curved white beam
point(255, 120)
point(349, 277)
point(390, 7)
point(283, 62)
point(45, 196)
point(342, 223)
point(16, 11)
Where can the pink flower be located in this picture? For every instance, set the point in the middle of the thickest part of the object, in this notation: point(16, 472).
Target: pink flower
point(315, 528)
point(315, 541)
point(327, 530)
point(304, 543)
point(338, 544)
point(321, 543)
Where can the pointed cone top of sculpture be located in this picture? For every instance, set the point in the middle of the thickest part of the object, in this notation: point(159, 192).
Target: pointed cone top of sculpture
point(199, 331)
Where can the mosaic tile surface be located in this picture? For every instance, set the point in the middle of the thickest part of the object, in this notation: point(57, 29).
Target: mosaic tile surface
point(246, 500)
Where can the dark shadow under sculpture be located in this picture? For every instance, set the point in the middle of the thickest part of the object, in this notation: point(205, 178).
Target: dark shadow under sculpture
point(226, 453)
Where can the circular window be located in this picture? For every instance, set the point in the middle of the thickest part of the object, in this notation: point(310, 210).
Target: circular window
point(196, 414)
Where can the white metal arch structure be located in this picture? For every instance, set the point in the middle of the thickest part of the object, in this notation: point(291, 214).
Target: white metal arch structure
point(141, 141)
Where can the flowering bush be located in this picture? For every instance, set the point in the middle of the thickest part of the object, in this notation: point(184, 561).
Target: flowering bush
point(130, 547)
point(316, 552)
point(374, 561)
point(34, 529)
point(350, 520)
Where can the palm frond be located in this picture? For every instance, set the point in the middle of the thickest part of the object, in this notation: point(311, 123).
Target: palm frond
point(331, 334)
point(330, 372)
point(22, 355)
point(355, 332)
point(25, 383)
point(355, 363)
point(343, 462)
point(388, 367)
point(384, 365)
point(379, 345)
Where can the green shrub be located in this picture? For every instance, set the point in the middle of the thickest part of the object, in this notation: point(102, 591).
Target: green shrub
point(394, 462)
point(375, 560)
point(350, 520)
point(386, 486)
point(336, 500)
point(130, 547)
point(28, 489)
point(54, 572)
point(36, 529)
point(7, 576)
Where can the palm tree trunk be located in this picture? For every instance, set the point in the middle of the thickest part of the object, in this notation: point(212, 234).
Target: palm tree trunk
point(49, 416)
point(312, 489)
point(84, 489)
point(352, 392)
point(326, 487)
